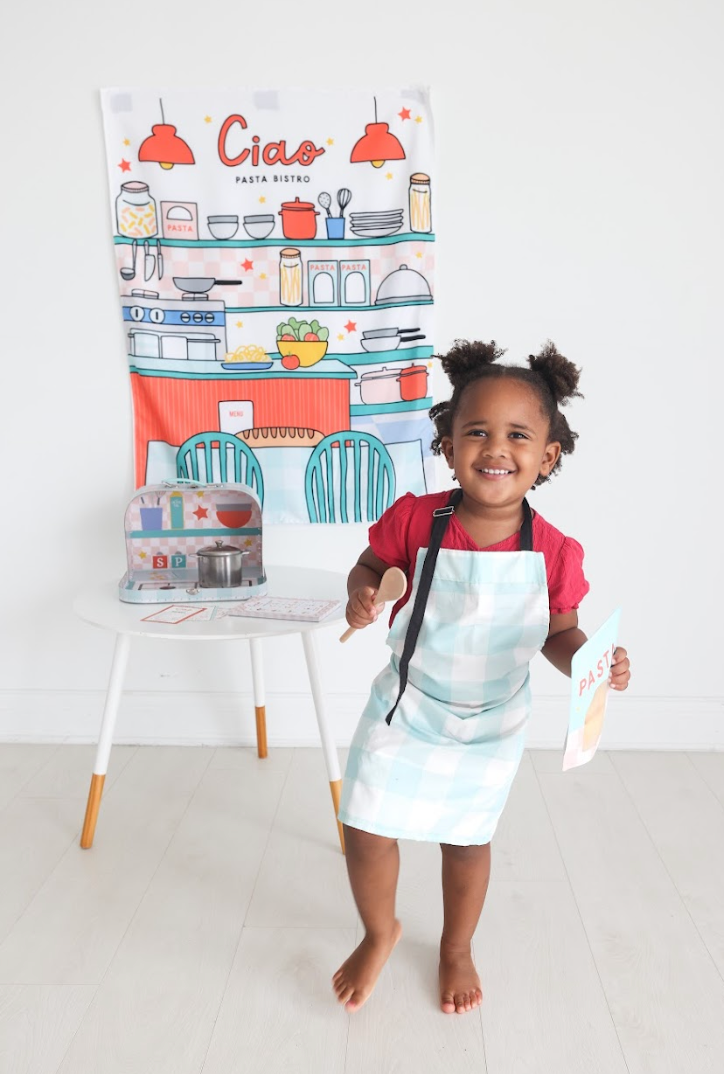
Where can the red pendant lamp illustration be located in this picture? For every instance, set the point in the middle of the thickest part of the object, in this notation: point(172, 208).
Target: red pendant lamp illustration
point(377, 145)
point(164, 146)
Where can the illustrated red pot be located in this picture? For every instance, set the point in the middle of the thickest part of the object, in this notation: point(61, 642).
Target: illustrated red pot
point(299, 219)
point(413, 382)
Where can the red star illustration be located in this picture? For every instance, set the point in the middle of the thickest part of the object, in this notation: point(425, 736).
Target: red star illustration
point(351, 326)
point(201, 512)
point(125, 165)
point(404, 114)
point(247, 265)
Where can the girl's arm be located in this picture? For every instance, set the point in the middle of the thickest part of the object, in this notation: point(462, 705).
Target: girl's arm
point(564, 639)
point(362, 585)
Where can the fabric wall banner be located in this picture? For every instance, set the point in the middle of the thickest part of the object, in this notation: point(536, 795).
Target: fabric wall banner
point(275, 255)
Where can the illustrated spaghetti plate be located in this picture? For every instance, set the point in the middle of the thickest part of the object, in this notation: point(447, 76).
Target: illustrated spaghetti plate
point(246, 367)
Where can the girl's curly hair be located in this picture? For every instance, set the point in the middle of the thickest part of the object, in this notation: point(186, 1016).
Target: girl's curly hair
point(552, 377)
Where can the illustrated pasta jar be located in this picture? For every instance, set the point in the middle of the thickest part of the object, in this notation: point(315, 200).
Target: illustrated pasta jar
point(290, 276)
point(136, 211)
point(420, 207)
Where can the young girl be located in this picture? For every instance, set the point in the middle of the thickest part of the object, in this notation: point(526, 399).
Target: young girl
point(442, 735)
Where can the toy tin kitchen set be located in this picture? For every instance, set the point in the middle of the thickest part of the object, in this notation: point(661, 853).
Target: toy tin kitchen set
point(189, 541)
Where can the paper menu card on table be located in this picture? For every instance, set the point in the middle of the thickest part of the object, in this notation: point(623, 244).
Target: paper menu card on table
point(590, 669)
point(175, 613)
point(301, 608)
point(179, 613)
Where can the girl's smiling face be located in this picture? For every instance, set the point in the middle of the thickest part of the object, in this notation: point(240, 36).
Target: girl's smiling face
point(499, 443)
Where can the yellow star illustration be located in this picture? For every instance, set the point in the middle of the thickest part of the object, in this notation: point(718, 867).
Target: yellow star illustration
point(262, 199)
point(141, 555)
point(239, 324)
point(418, 119)
point(340, 335)
point(248, 542)
point(418, 254)
point(262, 275)
point(389, 175)
point(200, 495)
point(330, 141)
point(126, 141)
point(207, 119)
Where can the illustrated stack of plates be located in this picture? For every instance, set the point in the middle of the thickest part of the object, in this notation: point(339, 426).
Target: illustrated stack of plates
point(376, 225)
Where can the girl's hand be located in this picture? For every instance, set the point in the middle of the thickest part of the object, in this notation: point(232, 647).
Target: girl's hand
point(620, 674)
point(361, 610)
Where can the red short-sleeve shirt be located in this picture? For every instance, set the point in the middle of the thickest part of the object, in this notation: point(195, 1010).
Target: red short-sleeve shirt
point(406, 525)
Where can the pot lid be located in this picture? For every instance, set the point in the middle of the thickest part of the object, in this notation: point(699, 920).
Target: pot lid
point(410, 369)
point(374, 374)
point(403, 283)
point(294, 206)
point(219, 550)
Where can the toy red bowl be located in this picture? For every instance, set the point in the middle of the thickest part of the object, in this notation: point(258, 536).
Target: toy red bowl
point(233, 515)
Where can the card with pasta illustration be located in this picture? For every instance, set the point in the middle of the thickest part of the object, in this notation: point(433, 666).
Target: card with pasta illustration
point(590, 669)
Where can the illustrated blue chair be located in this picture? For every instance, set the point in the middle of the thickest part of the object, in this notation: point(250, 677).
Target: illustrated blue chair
point(345, 471)
point(218, 447)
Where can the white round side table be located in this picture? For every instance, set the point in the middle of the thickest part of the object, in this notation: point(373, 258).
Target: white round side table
point(101, 606)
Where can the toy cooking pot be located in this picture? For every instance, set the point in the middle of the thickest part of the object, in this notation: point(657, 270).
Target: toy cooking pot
point(220, 566)
point(299, 219)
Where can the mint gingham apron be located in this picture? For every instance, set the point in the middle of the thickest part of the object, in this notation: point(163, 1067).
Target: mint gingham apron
point(442, 768)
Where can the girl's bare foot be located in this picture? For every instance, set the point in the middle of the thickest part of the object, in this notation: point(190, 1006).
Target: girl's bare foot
point(354, 980)
point(459, 982)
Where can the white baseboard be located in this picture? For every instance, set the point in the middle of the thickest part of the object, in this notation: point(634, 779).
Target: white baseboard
point(227, 719)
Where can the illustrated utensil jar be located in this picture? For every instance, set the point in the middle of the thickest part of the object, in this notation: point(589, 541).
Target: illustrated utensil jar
point(420, 203)
point(290, 276)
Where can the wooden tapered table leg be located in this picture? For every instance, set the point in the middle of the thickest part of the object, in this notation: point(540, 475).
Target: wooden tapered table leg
point(328, 746)
point(105, 740)
point(257, 675)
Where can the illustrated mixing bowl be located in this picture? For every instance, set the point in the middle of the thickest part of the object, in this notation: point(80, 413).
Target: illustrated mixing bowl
point(233, 515)
point(259, 227)
point(223, 227)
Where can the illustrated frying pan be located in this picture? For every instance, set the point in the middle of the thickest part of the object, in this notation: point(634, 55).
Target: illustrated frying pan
point(378, 333)
point(197, 285)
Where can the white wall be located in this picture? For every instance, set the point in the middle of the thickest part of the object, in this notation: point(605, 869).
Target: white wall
point(580, 181)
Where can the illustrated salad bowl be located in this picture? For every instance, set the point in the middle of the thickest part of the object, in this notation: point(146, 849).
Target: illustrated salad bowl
point(301, 343)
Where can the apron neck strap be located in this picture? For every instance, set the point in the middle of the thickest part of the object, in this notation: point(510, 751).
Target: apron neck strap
point(526, 530)
point(440, 520)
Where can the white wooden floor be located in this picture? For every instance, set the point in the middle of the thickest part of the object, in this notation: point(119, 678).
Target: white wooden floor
point(201, 931)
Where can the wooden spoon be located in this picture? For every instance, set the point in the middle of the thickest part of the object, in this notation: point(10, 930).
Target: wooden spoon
point(392, 586)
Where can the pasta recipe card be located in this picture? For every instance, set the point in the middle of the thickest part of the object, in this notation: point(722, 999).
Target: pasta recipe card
point(590, 669)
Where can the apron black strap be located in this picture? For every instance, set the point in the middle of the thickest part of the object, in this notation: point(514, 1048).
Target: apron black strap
point(526, 530)
point(441, 518)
